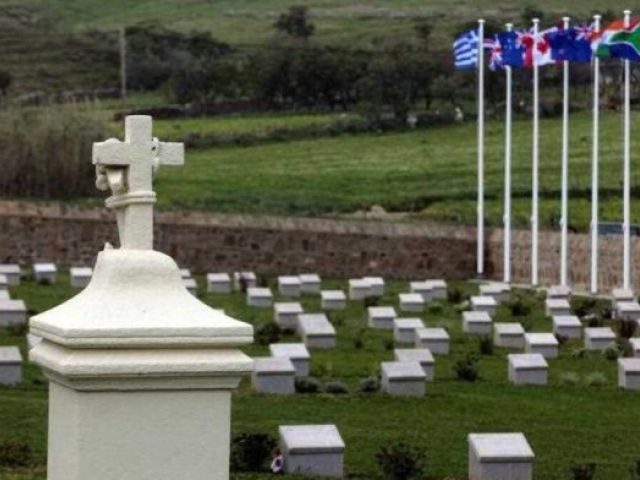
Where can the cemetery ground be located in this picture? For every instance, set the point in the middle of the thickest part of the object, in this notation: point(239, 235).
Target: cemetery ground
point(581, 416)
point(426, 173)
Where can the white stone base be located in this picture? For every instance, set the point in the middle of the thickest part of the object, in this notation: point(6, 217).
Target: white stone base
point(629, 373)
point(280, 384)
point(312, 450)
point(500, 457)
point(319, 341)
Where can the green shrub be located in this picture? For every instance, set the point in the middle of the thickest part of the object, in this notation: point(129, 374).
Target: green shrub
point(369, 385)
point(485, 345)
point(518, 307)
point(612, 353)
point(308, 385)
point(627, 328)
point(15, 454)
point(595, 379)
point(462, 307)
point(435, 308)
point(46, 153)
point(371, 302)
point(467, 368)
point(562, 340)
point(570, 379)
point(579, 352)
point(455, 295)
point(336, 388)
point(358, 343)
point(401, 461)
point(583, 471)
point(268, 333)
point(250, 452)
point(592, 320)
point(388, 344)
point(607, 313)
point(583, 306)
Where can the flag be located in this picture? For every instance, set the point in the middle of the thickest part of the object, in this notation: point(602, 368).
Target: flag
point(571, 44)
point(513, 52)
point(617, 42)
point(537, 47)
point(495, 49)
point(465, 50)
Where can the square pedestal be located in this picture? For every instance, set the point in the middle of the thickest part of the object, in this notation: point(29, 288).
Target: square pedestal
point(333, 300)
point(12, 312)
point(312, 450)
point(381, 318)
point(629, 373)
point(289, 286)
point(528, 369)
point(310, 283)
point(434, 339)
point(259, 297)
point(218, 283)
point(500, 292)
point(500, 456)
point(599, 339)
point(635, 346)
point(621, 295)
point(477, 323)
point(568, 326)
point(377, 286)
point(274, 375)
point(423, 289)
point(559, 292)
point(411, 302)
point(421, 355)
point(545, 344)
point(316, 330)
point(508, 335)
point(246, 279)
point(12, 272)
point(45, 273)
point(484, 304)
point(80, 276)
point(404, 329)
point(403, 379)
point(359, 289)
point(296, 352)
point(557, 307)
point(10, 366)
point(437, 289)
point(628, 311)
point(286, 314)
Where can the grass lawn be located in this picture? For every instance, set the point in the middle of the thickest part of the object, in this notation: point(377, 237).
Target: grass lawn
point(431, 173)
point(565, 424)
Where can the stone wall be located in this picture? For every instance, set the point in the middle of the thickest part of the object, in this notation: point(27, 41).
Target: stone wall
point(338, 248)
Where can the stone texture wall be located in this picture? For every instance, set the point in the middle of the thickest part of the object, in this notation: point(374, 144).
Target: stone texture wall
point(339, 248)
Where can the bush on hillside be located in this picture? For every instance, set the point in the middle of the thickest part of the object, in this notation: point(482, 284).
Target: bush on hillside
point(47, 154)
point(583, 471)
point(268, 333)
point(15, 454)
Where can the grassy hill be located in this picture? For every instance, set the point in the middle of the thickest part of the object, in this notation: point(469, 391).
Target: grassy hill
point(430, 173)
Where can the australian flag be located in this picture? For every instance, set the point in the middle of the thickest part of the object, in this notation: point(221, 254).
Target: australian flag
point(572, 44)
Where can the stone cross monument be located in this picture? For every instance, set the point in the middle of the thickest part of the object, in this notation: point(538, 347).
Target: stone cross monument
point(141, 372)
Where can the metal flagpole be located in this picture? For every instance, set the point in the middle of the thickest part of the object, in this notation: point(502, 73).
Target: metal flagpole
point(564, 220)
point(627, 167)
point(594, 165)
point(480, 147)
point(507, 176)
point(534, 176)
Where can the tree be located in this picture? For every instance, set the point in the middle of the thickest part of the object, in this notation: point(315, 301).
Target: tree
point(295, 22)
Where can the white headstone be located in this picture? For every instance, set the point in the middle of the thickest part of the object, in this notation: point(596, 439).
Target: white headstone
point(599, 338)
point(359, 289)
point(12, 271)
point(500, 456)
point(568, 326)
point(10, 366)
point(484, 304)
point(411, 302)
point(545, 344)
point(437, 288)
point(296, 352)
point(289, 286)
point(80, 276)
point(559, 292)
point(629, 373)
point(248, 279)
point(285, 314)
point(557, 307)
point(45, 272)
point(477, 323)
point(628, 311)
point(312, 450)
point(259, 297)
point(316, 330)
point(404, 379)
point(333, 300)
point(377, 286)
point(12, 313)
point(404, 329)
point(381, 317)
point(421, 355)
point(218, 283)
point(527, 369)
point(434, 339)
point(274, 375)
point(310, 283)
point(508, 335)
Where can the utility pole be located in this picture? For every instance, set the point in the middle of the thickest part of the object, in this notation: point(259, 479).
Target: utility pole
point(122, 34)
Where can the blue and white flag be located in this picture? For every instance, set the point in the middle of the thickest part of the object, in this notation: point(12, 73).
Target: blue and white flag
point(465, 49)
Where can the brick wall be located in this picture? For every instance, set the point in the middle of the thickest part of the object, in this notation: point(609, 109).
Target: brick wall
point(340, 248)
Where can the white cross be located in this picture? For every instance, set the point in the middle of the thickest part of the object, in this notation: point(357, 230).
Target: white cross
point(127, 168)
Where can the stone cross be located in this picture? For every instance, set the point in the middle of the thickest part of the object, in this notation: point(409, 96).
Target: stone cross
point(127, 168)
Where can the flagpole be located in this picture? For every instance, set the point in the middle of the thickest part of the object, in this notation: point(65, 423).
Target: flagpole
point(626, 226)
point(564, 219)
point(480, 147)
point(507, 175)
point(535, 160)
point(594, 165)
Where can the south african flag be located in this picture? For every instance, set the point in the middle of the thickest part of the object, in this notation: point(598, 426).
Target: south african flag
point(615, 41)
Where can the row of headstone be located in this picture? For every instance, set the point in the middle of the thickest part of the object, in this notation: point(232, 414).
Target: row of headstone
point(318, 451)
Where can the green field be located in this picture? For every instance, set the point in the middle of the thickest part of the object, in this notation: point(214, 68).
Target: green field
point(428, 173)
point(565, 424)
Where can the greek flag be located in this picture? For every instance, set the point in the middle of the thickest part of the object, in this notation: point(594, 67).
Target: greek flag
point(465, 49)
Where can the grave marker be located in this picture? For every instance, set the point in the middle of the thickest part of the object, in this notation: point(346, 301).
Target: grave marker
point(312, 450)
point(10, 366)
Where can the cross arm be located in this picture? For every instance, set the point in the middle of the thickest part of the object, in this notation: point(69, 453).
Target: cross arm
point(170, 153)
